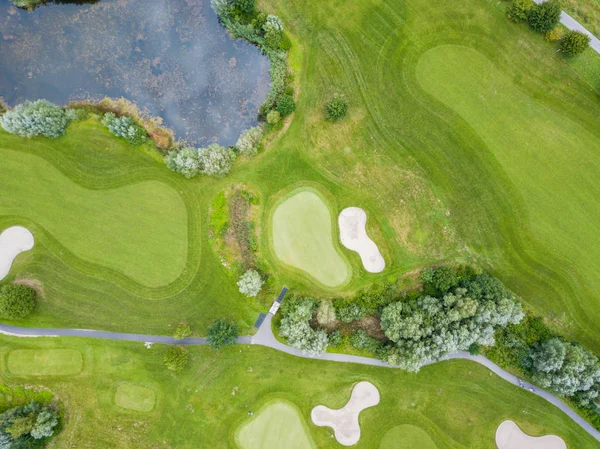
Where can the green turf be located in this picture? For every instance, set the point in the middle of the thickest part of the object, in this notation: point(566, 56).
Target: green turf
point(135, 397)
point(44, 362)
point(459, 404)
point(138, 229)
point(278, 424)
point(303, 237)
point(407, 436)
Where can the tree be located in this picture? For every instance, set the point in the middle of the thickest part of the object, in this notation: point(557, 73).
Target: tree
point(184, 161)
point(124, 127)
point(19, 425)
point(273, 117)
point(46, 421)
point(574, 43)
point(16, 301)
point(40, 118)
point(286, 105)
point(182, 331)
point(216, 160)
point(442, 278)
point(518, 10)
point(295, 326)
point(221, 333)
point(176, 358)
point(475, 349)
point(250, 283)
point(325, 313)
point(249, 141)
point(544, 16)
point(336, 109)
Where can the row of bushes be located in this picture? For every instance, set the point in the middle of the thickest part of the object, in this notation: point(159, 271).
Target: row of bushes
point(545, 17)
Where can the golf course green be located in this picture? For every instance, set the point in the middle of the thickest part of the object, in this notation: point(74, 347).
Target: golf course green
point(278, 424)
point(303, 237)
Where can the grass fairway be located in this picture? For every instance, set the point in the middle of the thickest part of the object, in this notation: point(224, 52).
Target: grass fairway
point(407, 437)
point(135, 397)
point(457, 403)
point(303, 237)
point(139, 229)
point(44, 362)
point(276, 425)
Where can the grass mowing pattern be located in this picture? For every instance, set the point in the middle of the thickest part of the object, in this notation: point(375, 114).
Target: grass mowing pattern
point(407, 437)
point(276, 425)
point(303, 237)
point(138, 229)
point(457, 403)
point(135, 397)
point(44, 362)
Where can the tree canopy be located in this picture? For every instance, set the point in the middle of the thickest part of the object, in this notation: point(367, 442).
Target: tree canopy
point(16, 301)
point(221, 333)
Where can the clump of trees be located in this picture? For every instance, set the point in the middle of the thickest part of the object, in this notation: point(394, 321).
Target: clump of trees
point(249, 141)
point(222, 333)
point(16, 301)
point(213, 160)
point(543, 17)
point(38, 118)
point(336, 109)
point(27, 426)
point(574, 43)
point(182, 331)
point(286, 105)
point(176, 358)
point(250, 283)
point(297, 313)
point(125, 127)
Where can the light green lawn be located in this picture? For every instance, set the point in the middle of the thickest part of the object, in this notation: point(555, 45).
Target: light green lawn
point(303, 237)
point(135, 397)
point(407, 437)
point(44, 362)
point(276, 425)
point(138, 229)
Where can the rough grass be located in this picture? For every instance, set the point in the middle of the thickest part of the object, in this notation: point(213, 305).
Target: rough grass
point(407, 437)
point(44, 362)
point(303, 237)
point(135, 397)
point(276, 425)
point(458, 403)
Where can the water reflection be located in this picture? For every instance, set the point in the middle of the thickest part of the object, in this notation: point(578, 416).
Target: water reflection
point(171, 57)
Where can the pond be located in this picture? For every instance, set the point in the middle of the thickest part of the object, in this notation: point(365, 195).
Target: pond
point(171, 58)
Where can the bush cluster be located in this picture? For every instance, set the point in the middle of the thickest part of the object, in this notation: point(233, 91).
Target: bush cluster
point(27, 426)
point(16, 301)
point(249, 141)
point(336, 109)
point(213, 160)
point(125, 127)
point(38, 118)
point(250, 283)
point(297, 312)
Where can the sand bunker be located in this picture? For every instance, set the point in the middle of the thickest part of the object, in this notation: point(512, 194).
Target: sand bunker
point(345, 420)
point(509, 436)
point(13, 241)
point(352, 222)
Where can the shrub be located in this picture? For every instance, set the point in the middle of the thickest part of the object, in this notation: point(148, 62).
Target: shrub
point(249, 141)
point(335, 338)
point(28, 4)
point(440, 279)
point(250, 283)
point(362, 340)
point(16, 301)
point(246, 6)
point(555, 34)
point(325, 313)
point(574, 43)
point(176, 358)
point(259, 22)
point(518, 10)
point(216, 160)
point(286, 105)
point(544, 16)
point(273, 23)
point(222, 333)
point(273, 29)
point(184, 161)
point(336, 109)
point(182, 331)
point(348, 313)
point(40, 118)
point(124, 127)
point(76, 114)
point(475, 349)
point(273, 117)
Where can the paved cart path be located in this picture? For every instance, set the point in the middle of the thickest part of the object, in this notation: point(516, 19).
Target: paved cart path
point(265, 337)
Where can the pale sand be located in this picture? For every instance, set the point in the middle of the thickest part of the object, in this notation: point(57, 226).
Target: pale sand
point(353, 234)
point(344, 421)
point(13, 241)
point(509, 436)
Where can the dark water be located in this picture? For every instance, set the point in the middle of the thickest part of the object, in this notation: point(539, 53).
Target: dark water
point(171, 57)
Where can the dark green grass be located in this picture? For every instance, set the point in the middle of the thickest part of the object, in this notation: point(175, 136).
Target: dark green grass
point(458, 404)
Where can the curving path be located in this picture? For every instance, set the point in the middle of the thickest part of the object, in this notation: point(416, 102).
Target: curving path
point(265, 337)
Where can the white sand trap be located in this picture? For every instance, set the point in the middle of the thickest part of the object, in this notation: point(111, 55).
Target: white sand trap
point(345, 420)
point(509, 436)
point(353, 234)
point(13, 241)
